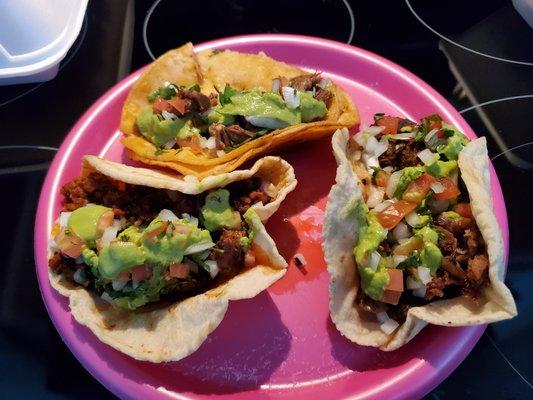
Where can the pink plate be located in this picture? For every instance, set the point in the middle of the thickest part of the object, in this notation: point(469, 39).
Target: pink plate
point(281, 344)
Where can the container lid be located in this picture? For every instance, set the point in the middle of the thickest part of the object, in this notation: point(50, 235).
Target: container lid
point(36, 34)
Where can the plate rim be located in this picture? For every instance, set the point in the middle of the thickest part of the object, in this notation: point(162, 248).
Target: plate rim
point(419, 387)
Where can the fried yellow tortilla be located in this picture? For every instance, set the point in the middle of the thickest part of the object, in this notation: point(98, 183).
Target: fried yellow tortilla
point(213, 71)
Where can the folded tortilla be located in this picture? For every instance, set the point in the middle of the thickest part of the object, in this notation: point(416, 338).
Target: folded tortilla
point(340, 236)
point(174, 331)
point(214, 70)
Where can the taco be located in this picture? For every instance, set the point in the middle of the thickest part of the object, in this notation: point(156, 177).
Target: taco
point(207, 113)
point(410, 237)
point(149, 262)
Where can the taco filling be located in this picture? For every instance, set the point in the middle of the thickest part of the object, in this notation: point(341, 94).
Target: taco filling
point(418, 241)
point(215, 124)
point(135, 245)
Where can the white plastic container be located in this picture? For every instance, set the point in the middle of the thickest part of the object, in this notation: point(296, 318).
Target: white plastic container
point(35, 35)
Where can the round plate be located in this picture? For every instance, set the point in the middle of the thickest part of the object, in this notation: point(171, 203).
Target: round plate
point(282, 343)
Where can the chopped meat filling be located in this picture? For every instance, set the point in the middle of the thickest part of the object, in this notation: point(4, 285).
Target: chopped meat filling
point(400, 154)
point(230, 257)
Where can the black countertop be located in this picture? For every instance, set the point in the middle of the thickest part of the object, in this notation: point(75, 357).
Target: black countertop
point(471, 52)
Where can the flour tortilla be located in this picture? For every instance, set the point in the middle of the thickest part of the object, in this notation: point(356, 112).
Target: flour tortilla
point(174, 331)
point(340, 234)
point(212, 70)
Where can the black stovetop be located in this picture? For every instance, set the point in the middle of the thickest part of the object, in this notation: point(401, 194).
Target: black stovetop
point(471, 52)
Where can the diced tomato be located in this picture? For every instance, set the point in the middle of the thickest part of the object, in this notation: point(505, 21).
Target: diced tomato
point(161, 105)
point(124, 276)
point(121, 185)
point(450, 190)
point(181, 106)
point(434, 124)
point(105, 221)
point(418, 189)
point(180, 270)
point(464, 210)
point(392, 215)
point(153, 233)
point(141, 273)
point(382, 178)
point(390, 124)
point(193, 142)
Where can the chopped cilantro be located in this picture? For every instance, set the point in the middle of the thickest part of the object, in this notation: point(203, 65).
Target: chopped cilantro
point(225, 96)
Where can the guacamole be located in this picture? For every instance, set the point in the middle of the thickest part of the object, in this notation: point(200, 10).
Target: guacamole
point(84, 221)
point(217, 212)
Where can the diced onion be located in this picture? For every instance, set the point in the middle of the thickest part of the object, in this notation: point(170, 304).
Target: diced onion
point(388, 325)
point(300, 260)
point(53, 245)
point(420, 292)
point(118, 223)
point(109, 234)
point(211, 143)
point(413, 283)
point(291, 97)
point(455, 177)
point(376, 197)
point(264, 122)
point(106, 297)
point(79, 277)
point(323, 83)
point(371, 145)
point(424, 274)
point(438, 206)
point(381, 148)
point(63, 219)
point(373, 130)
point(361, 139)
point(213, 268)
point(401, 231)
point(221, 153)
point(198, 247)
point(392, 183)
point(403, 136)
point(168, 116)
point(118, 285)
point(427, 156)
point(397, 259)
point(276, 84)
point(370, 161)
point(190, 218)
point(374, 260)
point(412, 219)
point(167, 215)
point(269, 188)
point(383, 206)
point(437, 187)
point(170, 144)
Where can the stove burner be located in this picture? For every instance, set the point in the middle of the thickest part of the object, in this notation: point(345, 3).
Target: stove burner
point(443, 16)
point(9, 94)
point(235, 17)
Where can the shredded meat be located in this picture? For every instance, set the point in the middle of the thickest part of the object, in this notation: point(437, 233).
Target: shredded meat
point(455, 226)
point(201, 101)
point(138, 204)
point(400, 154)
point(477, 268)
point(438, 284)
point(473, 240)
point(59, 263)
point(244, 194)
point(447, 242)
point(324, 95)
point(450, 265)
point(230, 257)
point(305, 82)
point(229, 136)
